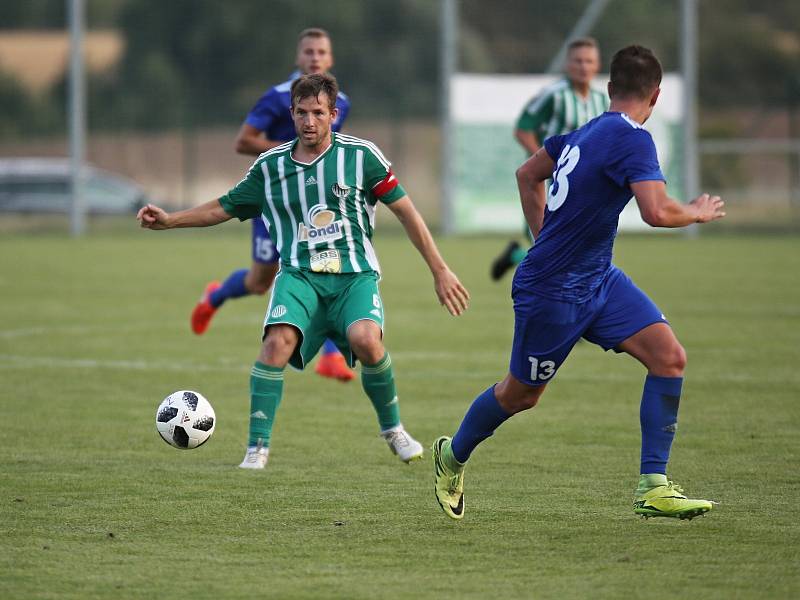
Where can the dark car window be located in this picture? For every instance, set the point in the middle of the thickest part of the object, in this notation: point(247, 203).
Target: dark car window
point(34, 187)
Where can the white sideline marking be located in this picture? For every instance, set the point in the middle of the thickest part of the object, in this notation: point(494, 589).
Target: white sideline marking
point(9, 334)
point(12, 361)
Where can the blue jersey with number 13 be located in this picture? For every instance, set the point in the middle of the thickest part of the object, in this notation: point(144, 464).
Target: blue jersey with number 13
point(595, 166)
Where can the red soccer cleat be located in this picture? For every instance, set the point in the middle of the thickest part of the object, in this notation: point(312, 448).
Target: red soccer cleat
point(334, 366)
point(202, 313)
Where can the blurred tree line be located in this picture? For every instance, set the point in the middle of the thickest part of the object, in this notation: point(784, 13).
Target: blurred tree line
point(205, 62)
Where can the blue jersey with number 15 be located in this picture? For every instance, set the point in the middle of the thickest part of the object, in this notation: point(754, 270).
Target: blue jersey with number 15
point(272, 114)
point(595, 166)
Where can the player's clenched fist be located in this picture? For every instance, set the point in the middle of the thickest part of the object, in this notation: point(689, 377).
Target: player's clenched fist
point(153, 217)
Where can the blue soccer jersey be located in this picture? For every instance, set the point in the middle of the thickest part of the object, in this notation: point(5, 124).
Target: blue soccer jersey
point(595, 166)
point(567, 288)
point(272, 112)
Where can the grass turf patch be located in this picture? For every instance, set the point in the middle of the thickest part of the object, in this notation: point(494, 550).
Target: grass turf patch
point(95, 332)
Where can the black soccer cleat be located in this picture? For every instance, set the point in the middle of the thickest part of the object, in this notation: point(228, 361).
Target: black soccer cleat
point(504, 262)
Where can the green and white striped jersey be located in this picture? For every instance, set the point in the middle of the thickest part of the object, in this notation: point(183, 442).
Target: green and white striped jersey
point(320, 215)
point(558, 109)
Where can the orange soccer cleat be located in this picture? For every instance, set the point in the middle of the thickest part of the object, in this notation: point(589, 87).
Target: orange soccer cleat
point(202, 313)
point(334, 366)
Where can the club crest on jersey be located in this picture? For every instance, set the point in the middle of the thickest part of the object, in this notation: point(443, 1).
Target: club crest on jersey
point(321, 225)
point(340, 191)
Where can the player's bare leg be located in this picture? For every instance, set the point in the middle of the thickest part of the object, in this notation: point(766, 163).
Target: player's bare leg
point(377, 378)
point(657, 348)
point(266, 390)
point(279, 344)
point(260, 277)
point(515, 396)
point(256, 280)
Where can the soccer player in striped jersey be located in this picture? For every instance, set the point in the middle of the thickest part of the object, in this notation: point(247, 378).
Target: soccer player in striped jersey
point(319, 194)
point(567, 287)
point(270, 124)
point(558, 109)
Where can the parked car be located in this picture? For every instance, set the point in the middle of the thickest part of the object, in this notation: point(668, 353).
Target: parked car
point(43, 185)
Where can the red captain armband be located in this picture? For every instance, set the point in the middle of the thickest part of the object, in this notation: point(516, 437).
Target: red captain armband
point(385, 185)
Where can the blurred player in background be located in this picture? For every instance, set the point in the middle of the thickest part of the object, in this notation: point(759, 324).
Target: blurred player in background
point(558, 109)
point(269, 124)
point(566, 287)
point(319, 194)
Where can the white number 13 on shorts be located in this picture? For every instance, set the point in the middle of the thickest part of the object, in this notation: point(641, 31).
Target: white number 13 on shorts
point(541, 371)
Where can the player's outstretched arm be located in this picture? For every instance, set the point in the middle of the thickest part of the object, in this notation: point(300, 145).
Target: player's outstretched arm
point(659, 210)
point(530, 181)
point(205, 215)
point(452, 295)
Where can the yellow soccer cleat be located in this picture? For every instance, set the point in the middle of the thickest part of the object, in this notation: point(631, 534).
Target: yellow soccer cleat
point(448, 486)
point(669, 501)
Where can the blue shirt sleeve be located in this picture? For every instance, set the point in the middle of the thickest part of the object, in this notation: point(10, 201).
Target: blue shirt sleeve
point(635, 159)
point(266, 111)
point(343, 104)
point(554, 145)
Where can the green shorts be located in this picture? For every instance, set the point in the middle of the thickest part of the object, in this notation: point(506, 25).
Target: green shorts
point(323, 305)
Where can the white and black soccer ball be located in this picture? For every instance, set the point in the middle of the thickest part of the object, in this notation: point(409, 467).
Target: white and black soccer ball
point(185, 420)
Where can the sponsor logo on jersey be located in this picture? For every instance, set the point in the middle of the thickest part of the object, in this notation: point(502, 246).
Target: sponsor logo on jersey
point(278, 311)
point(311, 180)
point(340, 191)
point(327, 261)
point(322, 226)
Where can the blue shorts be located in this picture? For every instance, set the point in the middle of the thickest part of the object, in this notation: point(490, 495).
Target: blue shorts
point(264, 250)
point(546, 330)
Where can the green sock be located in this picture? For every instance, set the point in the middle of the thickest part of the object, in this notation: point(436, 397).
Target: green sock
point(378, 382)
point(647, 481)
point(518, 255)
point(266, 389)
point(449, 459)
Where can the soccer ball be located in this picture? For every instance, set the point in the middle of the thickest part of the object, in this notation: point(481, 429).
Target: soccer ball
point(185, 420)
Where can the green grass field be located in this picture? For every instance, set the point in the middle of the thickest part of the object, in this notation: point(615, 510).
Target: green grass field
point(94, 333)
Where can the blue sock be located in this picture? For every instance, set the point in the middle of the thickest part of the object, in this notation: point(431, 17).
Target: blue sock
point(329, 347)
point(483, 417)
point(658, 416)
point(233, 287)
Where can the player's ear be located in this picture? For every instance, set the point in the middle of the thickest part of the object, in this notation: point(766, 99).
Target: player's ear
point(654, 97)
point(610, 88)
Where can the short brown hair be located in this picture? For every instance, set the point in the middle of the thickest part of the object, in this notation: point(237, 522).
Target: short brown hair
point(313, 32)
point(583, 42)
point(315, 84)
point(635, 72)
